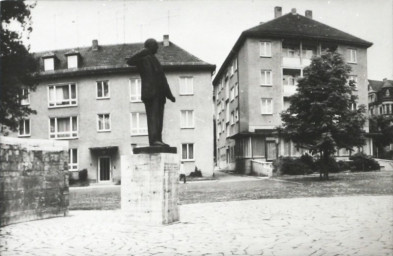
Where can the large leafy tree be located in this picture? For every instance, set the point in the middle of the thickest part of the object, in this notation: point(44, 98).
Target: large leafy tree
point(16, 64)
point(321, 116)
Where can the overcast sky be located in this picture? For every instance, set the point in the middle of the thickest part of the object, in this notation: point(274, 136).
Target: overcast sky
point(206, 28)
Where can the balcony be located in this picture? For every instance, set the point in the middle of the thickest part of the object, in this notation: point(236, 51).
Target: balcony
point(289, 90)
point(291, 62)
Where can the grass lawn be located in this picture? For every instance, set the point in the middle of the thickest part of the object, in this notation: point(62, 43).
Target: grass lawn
point(340, 184)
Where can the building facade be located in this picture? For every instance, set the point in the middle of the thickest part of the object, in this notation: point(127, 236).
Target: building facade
point(380, 102)
point(252, 86)
point(90, 97)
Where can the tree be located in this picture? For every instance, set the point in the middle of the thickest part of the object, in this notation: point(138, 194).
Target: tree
point(17, 65)
point(382, 128)
point(321, 117)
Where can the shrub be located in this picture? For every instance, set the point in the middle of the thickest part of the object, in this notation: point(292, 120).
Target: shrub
point(308, 160)
point(290, 166)
point(83, 175)
point(333, 166)
point(196, 173)
point(345, 165)
point(363, 162)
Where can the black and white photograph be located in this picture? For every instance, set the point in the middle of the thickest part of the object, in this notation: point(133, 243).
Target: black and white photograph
point(196, 127)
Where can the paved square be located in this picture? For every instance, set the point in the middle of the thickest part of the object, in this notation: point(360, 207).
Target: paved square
point(361, 225)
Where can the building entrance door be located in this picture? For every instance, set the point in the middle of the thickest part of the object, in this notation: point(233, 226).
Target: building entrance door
point(271, 150)
point(104, 169)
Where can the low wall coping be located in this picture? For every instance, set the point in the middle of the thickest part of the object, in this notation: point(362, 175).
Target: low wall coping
point(35, 144)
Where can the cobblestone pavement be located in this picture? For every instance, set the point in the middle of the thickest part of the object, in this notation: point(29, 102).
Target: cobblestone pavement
point(361, 225)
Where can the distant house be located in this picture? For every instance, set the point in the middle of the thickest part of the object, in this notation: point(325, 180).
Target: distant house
point(90, 97)
point(252, 86)
point(380, 100)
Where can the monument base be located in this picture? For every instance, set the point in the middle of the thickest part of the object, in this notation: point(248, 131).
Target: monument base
point(149, 192)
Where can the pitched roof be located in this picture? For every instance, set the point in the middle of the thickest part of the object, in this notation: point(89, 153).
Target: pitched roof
point(378, 85)
point(294, 26)
point(300, 27)
point(111, 58)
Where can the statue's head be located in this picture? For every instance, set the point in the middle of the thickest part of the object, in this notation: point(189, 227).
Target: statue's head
point(152, 45)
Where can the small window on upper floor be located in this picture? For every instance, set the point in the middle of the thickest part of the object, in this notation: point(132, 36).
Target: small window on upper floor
point(266, 77)
point(265, 49)
point(186, 85)
point(352, 56)
point(49, 64)
point(62, 95)
point(72, 61)
point(103, 90)
point(25, 96)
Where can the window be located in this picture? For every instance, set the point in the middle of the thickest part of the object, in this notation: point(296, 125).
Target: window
point(186, 85)
point(232, 69)
point(138, 124)
point(237, 115)
point(219, 107)
point(266, 106)
point(353, 106)
point(227, 89)
point(265, 49)
point(135, 90)
point(103, 122)
point(227, 112)
point(49, 64)
point(24, 127)
point(232, 93)
point(25, 96)
point(102, 90)
point(233, 117)
point(354, 79)
point(266, 77)
point(62, 95)
point(352, 56)
point(73, 159)
point(235, 64)
point(228, 130)
point(72, 61)
point(63, 127)
point(387, 93)
point(187, 119)
point(219, 129)
point(187, 151)
point(236, 89)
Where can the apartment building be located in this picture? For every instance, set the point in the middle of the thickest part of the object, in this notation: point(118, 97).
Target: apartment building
point(259, 74)
point(90, 97)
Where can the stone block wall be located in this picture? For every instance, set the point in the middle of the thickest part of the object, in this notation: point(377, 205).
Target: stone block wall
point(33, 179)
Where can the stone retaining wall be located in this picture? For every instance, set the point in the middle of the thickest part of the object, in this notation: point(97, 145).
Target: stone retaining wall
point(33, 179)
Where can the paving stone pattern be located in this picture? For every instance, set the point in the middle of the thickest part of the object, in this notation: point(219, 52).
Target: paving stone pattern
point(361, 225)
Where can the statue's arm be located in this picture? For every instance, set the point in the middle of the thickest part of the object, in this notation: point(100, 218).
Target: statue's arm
point(137, 57)
point(168, 92)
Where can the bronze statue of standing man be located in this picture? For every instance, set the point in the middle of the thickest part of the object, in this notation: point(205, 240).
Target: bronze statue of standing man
point(155, 89)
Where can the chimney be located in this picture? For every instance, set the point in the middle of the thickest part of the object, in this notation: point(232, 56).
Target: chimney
point(94, 46)
point(277, 11)
point(293, 11)
point(309, 14)
point(166, 40)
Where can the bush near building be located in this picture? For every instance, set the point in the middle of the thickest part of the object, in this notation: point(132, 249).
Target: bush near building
point(363, 162)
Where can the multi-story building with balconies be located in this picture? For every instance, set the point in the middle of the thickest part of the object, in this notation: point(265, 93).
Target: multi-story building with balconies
point(90, 97)
point(259, 74)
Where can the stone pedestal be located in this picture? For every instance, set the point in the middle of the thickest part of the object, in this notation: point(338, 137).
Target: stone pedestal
point(149, 180)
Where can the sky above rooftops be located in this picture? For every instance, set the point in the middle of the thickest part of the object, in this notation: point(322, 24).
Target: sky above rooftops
point(207, 29)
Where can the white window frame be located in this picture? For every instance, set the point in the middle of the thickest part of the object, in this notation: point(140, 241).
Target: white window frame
point(55, 102)
point(268, 77)
point(232, 117)
point(188, 152)
point(236, 89)
point(104, 116)
point(102, 84)
point(138, 131)
point(219, 129)
point(265, 49)
point(186, 85)
point(266, 107)
point(72, 61)
point(353, 106)
point(72, 134)
point(227, 113)
point(355, 79)
point(227, 89)
point(235, 64)
point(237, 115)
point(352, 56)
point(137, 97)
point(71, 165)
point(24, 134)
point(189, 122)
point(49, 64)
point(25, 101)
